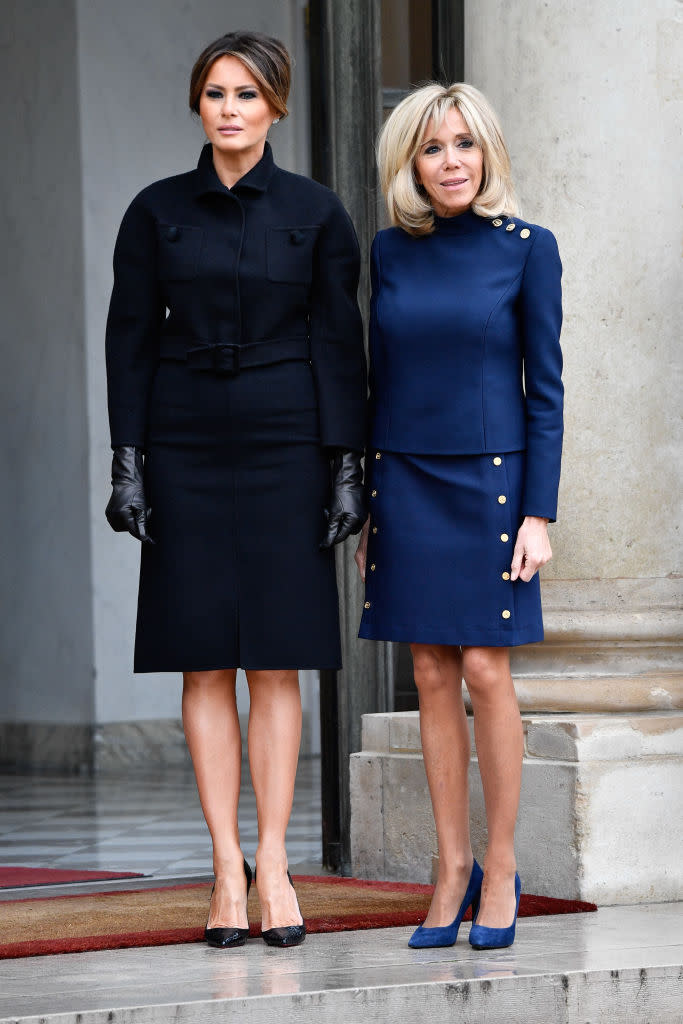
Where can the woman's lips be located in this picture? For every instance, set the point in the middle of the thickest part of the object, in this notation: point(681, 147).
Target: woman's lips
point(453, 182)
point(229, 129)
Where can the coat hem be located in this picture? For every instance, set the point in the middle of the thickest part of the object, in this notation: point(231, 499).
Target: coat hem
point(246, 668)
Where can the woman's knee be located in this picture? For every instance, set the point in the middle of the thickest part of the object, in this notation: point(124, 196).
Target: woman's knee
point(207, 682)
point(272, 680)
point(435, 667)
point(486, 670)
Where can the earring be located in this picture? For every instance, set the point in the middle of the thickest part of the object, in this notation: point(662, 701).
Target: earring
point(276, 121)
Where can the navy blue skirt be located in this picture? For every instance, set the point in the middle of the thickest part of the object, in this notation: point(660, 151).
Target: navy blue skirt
point(442, 533)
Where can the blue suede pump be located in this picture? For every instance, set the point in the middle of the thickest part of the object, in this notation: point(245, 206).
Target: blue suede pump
point(496, 938)
point(423, 938)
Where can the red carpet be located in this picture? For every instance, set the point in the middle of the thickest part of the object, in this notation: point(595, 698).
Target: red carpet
point(164, 916)
point(11, 877)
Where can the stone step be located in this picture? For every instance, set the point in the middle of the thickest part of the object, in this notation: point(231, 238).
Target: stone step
point(601, 810)
point(622, 964)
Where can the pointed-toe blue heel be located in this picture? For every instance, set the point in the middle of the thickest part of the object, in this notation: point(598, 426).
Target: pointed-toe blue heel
point(425, 938)
point(496, 938)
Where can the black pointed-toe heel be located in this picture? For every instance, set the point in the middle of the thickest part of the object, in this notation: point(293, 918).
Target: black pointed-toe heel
point(287, 935)
point(229, 938)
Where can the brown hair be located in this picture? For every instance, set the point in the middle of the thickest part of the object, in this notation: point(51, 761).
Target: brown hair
point(266, 58)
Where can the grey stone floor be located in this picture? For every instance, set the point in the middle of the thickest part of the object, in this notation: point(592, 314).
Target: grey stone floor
point(147, 823)
point(622, 964)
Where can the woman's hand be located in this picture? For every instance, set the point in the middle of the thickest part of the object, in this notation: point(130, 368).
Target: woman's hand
point(361, 554)
point(127, 508)
point(532, 548)
point(346, 513)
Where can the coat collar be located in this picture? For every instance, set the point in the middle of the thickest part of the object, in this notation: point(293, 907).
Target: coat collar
point(255, 180)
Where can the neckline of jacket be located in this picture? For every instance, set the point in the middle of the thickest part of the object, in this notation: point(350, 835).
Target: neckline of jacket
point(255, 180)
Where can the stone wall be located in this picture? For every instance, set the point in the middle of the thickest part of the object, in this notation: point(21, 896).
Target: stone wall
point(95, 109)
point(591, 100)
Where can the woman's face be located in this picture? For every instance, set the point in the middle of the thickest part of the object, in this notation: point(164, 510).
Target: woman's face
point(235, 113)
point(449, 164)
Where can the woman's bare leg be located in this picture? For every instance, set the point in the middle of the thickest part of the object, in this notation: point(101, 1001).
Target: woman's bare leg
point(446, 750)
point(500, 744)
point(274, 740)
point(212, 731)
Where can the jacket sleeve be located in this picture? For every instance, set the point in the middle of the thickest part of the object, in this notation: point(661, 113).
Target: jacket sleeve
point(541, 312)
point(136, 312)
point(336, 335)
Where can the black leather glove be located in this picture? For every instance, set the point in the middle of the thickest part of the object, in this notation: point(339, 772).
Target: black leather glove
point(346, 513)
point(127, 508)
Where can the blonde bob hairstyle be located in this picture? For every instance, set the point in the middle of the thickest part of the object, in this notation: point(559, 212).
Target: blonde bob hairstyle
point(403, 133)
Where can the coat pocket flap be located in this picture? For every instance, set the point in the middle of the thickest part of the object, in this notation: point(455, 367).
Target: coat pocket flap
point(179, 249)
point(289, 253)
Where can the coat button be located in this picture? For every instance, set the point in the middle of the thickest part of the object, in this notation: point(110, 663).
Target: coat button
point(501, 499)
point(505, 614)
point(504, 537)
point(368, 605)
point(497, 461)
point(172, 233)
point(296, 237)
point(506, 575)
point(378, 455)
point(524, 233)
point(374, 529)
point(510, 227)
point(373, 494)
point(497, 222)
point(373, 567)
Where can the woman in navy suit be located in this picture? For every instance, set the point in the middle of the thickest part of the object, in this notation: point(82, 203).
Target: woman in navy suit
point(464, 466)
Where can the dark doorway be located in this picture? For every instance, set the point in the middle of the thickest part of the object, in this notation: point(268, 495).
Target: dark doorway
point(364, 57)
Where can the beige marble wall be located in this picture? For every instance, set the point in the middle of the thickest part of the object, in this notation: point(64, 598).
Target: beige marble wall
point(591, 100)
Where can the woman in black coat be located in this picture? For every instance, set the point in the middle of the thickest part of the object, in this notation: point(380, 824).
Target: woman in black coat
point(236, 379)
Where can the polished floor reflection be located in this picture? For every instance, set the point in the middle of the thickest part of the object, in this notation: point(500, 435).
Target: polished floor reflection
point(147, 823)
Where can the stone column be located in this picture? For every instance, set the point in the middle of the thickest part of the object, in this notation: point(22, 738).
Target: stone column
point(591, 101)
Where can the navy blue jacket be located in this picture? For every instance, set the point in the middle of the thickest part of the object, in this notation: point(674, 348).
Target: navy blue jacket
point(464, 346)
point(275, 259)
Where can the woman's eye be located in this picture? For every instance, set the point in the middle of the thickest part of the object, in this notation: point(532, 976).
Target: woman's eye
point(430, 150)
point(466, 143)
point(248, 95)
point(214, 94)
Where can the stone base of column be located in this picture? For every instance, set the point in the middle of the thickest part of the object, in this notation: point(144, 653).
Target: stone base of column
point(601, 815)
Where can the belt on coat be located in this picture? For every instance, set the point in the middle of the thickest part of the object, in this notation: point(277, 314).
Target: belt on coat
point(232, 359)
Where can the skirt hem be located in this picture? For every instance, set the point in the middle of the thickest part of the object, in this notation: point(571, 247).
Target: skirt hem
point(451, 638)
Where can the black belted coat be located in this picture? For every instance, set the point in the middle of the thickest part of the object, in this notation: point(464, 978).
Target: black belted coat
point(235, 359)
